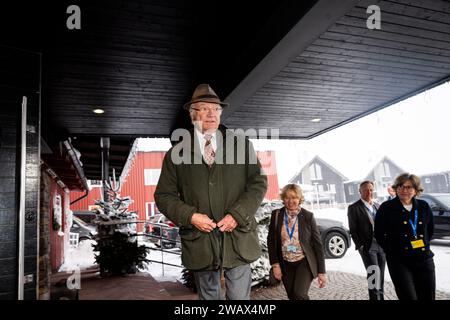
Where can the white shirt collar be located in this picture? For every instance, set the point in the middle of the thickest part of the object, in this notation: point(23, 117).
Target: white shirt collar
point(368, 205)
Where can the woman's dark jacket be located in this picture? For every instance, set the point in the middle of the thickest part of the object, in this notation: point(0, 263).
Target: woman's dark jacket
point(394, 233)
point(309, 239)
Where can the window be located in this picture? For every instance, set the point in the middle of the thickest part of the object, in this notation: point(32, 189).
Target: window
point(431, 203)
point(332, 188)
point(150, 209)
point(73, 239)
point(351, 189)
point(151, 176)
point(427, 180)
point(95, 183)
point(386, 169)
point(315, 171)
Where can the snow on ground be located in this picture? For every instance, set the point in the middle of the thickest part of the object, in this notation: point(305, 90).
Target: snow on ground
point(80, 257)
point(159, 271)
point(83, 257)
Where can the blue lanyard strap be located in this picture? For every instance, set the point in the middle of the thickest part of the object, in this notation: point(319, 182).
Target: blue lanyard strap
point(290, 232)
point(414, 225)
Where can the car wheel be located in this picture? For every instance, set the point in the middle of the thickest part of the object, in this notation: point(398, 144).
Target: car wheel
point(335, 245)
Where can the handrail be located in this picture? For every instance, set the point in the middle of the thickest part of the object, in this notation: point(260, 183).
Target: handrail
point(162, 239)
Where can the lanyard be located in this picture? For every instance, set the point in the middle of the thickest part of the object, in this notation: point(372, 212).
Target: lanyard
point(290, 232)
point(414, 225)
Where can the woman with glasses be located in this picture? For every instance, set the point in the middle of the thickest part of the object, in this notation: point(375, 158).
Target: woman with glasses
point(403, 228)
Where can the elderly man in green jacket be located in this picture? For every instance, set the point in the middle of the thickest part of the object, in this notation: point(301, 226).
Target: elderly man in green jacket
point(211, 185)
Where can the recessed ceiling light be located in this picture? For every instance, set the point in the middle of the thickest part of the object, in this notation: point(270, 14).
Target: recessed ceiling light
point(98, 111)
point(316, 120)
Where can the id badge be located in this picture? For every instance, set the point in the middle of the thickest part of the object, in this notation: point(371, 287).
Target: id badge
point(291, 248)
point(416, 244)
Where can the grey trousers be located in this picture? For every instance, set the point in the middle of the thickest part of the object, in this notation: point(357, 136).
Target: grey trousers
point(374, 257)
point(238, 282)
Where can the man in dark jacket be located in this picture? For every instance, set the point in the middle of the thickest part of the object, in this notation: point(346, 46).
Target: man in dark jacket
point(361, 221)
point(211, 185)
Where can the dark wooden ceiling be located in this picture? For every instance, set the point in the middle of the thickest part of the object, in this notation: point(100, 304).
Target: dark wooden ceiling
point(279, 63)
point(342, 71)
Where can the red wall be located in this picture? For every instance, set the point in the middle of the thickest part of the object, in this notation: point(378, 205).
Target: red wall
point(58, 244)
point(268, 163)
point(141, 194)
point(134, 185)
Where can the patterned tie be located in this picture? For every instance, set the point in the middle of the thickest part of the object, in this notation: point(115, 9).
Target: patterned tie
point(208, 153)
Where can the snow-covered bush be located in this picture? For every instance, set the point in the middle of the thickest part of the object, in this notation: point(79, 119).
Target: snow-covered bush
point(261, 267)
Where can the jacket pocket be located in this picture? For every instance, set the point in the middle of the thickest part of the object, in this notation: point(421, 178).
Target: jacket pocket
point(196, 249)
point(246, 243)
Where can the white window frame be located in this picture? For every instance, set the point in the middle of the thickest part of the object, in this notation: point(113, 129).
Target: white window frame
point(152, 210)
point(315, 171)
point(351, 190)
point(151, 176)
point(386, 169)
point(73, 239)
point(95, 183)
point(332, 188)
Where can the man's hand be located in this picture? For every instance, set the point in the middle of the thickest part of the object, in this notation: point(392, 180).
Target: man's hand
point(202, 222)
point(227, 224)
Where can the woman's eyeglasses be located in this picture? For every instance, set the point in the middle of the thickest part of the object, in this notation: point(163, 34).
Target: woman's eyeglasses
point(407, 188)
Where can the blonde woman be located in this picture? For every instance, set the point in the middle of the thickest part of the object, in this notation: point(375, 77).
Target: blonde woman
point(295, 248)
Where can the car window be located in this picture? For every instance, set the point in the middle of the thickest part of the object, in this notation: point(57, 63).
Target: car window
point(444, 198)
point(154, 219)
point(430, 202)
point(79, 221)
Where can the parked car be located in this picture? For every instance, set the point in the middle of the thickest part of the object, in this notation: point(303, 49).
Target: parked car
point(85, 231)
point(335, 237)
point(440, 205)
point(159, 228)
point(86, 216)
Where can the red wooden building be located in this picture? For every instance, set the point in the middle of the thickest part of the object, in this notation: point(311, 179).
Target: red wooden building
point(143, 176)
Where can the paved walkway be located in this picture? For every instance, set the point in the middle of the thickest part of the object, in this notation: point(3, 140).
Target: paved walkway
point(139, 286)
point(340, 286)
point(142, 286)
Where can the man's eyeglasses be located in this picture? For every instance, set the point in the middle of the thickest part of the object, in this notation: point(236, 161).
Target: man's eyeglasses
point(206, 110)
point(407, 188)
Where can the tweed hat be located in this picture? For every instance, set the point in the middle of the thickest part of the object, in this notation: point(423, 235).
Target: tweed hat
point(204, 93)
